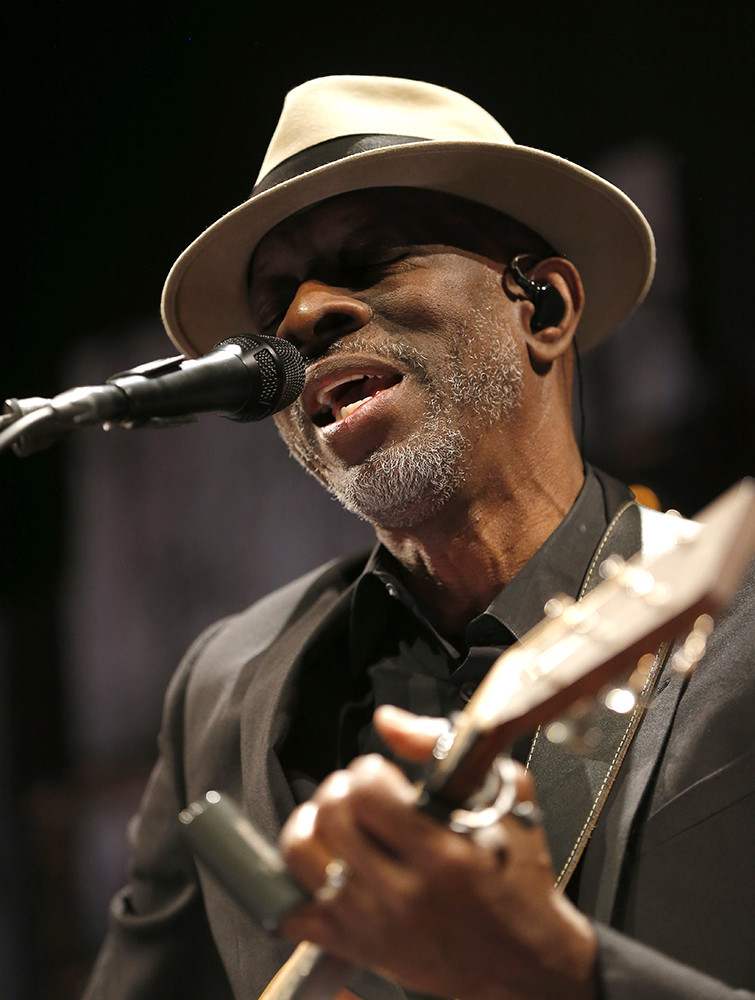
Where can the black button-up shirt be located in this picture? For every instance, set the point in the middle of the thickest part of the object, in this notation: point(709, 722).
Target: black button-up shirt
point(393, 655)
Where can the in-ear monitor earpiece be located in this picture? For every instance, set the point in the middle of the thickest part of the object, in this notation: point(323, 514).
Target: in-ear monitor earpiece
point(547, 300)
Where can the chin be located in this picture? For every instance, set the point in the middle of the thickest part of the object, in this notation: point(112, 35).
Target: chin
point(404, 485)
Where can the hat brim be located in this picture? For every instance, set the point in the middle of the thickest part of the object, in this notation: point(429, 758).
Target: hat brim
point(588, 220)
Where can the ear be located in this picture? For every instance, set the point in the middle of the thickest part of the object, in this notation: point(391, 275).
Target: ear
point(547, 345)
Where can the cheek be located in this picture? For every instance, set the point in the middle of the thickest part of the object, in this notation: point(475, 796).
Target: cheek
point(290, 425)
point(283, 421)
point(299, 437)
point(436, 303)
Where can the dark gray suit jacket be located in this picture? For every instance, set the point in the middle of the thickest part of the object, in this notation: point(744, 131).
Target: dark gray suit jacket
point(670, 861)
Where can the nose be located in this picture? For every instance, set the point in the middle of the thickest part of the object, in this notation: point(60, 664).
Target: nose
point(320, 314)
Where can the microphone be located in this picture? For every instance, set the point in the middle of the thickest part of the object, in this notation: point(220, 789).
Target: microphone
point(251, 869)
point(243, 378)
point(247, 865)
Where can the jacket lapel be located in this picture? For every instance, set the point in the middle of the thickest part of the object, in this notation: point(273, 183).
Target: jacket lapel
point(267, 705)
point(603, 862)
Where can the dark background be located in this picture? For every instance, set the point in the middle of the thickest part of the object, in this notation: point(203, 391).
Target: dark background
point(130, 128)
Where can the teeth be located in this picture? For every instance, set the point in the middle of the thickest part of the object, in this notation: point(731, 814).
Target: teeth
point(325, 395)
point(346, 410)
point(348, 385)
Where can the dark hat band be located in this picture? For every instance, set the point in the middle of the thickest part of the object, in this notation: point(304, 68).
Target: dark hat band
point(326, 152)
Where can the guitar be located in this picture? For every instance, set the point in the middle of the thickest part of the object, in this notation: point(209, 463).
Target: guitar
point(574, 653)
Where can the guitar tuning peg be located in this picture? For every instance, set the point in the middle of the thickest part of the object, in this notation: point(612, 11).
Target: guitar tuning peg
point(621, 700)
point(686, 658)
point(636, 580)
point(575, 738)
point(639, 676)
point(704, 625)
point(556, 606)
point(576, 731)
point(557, 732)
point(572, 613)
point(611, 567)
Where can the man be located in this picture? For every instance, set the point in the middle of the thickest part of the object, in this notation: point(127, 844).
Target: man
point(434, 276)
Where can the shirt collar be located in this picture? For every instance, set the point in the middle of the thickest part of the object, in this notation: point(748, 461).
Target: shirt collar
point(558, 567)
point(384, 569)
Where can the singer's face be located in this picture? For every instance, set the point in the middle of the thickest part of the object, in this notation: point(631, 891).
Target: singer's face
point(413, 355)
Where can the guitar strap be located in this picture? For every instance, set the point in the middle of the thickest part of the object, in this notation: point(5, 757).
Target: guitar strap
point(573, 787)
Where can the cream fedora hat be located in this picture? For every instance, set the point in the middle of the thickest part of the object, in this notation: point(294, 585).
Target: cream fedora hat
point(346, 133)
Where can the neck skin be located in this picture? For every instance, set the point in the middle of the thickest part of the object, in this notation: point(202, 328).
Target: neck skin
point(523, 477)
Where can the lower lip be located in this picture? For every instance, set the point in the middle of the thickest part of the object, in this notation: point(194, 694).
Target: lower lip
point(357, 421)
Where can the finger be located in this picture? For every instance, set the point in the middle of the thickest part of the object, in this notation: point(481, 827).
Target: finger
point(525, 784)
point(411, 736)
point(344, 802)
point(383, 804)
point(304, 852)
point(326, 829)
point(526, 811)
point(310, 923)
point(366, 816)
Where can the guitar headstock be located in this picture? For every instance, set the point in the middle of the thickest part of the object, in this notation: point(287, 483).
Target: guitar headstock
point(580, 646)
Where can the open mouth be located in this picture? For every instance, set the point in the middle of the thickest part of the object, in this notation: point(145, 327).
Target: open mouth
point(342, 397)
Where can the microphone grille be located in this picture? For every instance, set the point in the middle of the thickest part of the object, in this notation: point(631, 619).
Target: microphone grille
point(293, 367)
point(281, 369)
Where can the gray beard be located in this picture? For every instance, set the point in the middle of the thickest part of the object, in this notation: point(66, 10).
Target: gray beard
point(404, 484)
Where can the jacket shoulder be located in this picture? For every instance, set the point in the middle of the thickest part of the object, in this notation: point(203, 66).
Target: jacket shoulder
point(223, 648)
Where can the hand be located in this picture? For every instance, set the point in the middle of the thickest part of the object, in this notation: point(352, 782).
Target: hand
point(473, 918)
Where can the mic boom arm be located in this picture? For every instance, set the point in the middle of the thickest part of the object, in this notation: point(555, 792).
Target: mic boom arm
point(243, 378)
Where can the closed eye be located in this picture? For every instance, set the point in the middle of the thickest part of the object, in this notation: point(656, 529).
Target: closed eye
point(270, 300)
point(356, 270)
point(374, 264)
